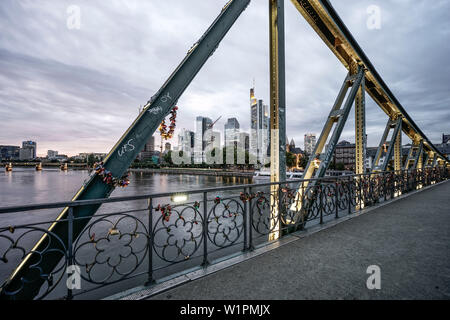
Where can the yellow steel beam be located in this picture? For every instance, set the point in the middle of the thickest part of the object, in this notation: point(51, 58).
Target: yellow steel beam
point(337, 38)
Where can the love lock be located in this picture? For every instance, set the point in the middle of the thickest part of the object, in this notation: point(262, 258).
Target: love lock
point(113, 231)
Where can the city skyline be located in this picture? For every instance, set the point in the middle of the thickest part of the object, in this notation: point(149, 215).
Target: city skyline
point(83, 98)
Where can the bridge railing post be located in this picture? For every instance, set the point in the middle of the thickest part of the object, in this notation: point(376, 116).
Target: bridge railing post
point(336, 198)
point(392, 186)
point(150, 279)
point(415, 177)
point(280, 211)
point(349, 189)
point(303, 201)
point(205, 230)
point(360, 182)
point(70, 248)
point(321, 199)
point(250, 220)
point(245, 218)
point(405, 180)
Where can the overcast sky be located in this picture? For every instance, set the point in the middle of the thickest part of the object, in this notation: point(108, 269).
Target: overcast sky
point(78, 90)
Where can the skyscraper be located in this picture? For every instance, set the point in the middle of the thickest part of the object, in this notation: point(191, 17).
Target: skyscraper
point(148, 151)
point(51, 154)
point(231, 130)
point(310, 143)
point(9, 152)
point(186, 141)
point(259, 127)
point(243, 146)
point(202, 135)
point(30, 147)
point(215, 139)
point(150, 145)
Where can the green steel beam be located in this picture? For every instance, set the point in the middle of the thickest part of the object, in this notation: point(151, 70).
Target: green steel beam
point(339, 117)
point(412, 161)
point(398, 149)
point(324, 19)
point(397, 125)
point(25, 279)
point(325, 158)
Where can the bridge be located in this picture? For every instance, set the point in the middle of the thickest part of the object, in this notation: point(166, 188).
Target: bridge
point(284, 208)
point(330, 262)
point(140, 246)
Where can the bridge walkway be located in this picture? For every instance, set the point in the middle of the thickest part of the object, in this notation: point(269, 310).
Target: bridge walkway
point(408, 239)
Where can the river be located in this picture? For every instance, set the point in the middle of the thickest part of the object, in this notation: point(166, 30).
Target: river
point(24, 186)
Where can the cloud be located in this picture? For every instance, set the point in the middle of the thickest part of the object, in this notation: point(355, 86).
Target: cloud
point(79, 90)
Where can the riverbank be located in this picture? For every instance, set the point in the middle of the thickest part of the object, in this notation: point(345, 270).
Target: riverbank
point(73, 166)
point(200, 171)
point(167, 170)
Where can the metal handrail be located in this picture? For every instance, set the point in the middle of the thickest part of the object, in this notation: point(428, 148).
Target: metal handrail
point(77, 203)
point(192, 233)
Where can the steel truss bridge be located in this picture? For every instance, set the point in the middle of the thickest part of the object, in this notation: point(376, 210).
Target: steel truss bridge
point(423, 159)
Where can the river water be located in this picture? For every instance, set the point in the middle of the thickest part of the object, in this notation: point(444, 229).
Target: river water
point(24, 186)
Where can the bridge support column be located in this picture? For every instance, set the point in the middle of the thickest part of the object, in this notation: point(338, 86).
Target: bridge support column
point(398, 146)
point(277, 109)
point(425, 157)
point(414, 160)
point(360, 127)
point(420, 158)
point(360, 134)
point(398, 153)
point(395, 124)
point(435, 158)
point(319, 161)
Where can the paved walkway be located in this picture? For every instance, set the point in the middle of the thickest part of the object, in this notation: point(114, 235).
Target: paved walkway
point(409, 240)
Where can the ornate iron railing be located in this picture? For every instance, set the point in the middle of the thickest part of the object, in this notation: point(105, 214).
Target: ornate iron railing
point(154, 236)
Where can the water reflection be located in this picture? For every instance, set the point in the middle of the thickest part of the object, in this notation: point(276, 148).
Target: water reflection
point(25, 186)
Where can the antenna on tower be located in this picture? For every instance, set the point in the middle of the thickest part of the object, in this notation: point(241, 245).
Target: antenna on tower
point(253, 82)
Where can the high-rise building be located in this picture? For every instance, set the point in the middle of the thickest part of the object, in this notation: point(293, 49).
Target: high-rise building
point(259, 128)
point(345, 154)
point(215, 140)
point(310, 143)
point(201, 137)
point(26, 154)
point(244, 141)
point(32, 146)
point(186, 141)
point(148, 151)
point(51, 154)
point(9, 152)
point(150, 145)
point(167, 147)
point(231, 130)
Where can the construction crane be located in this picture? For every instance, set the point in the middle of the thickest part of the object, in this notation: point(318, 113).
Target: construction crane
point(212, 124)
